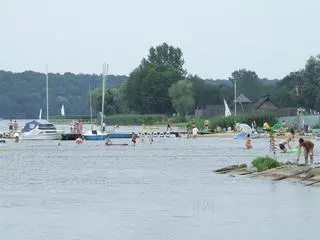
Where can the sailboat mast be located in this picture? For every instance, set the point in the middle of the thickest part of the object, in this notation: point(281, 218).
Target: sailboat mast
point(47, 86)
point(105, 75)
point(235, 97)
point(90, 107)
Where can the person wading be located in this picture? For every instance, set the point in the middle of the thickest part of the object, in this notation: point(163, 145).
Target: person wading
point(308, 150)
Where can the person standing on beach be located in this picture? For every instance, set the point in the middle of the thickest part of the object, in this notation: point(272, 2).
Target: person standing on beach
point(194, 131)
point(308, 150)
point(10, 124)
point(254, 126)
point(169, 125)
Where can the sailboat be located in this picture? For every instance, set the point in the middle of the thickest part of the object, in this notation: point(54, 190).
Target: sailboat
point(227, 112)
point(62, 111)
point(96, 134)
point(41, 129)
point(40, 114)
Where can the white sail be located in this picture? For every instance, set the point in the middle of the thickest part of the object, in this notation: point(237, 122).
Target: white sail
point(62, 110)
point(40, 113)
point(227, 111)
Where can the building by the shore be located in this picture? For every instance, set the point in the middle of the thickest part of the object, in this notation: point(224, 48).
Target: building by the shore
point(264, 105)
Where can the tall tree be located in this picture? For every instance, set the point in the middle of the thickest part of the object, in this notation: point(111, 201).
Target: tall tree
point(147, 86)
point(247, 83)
point(113, 101)
point(181, 94)
point(205, 93)
point(310, 87)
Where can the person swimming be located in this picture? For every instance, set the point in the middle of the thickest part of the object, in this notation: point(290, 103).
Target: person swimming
point(248, 142)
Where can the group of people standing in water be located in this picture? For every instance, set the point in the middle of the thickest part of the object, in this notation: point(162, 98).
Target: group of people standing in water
point(306, 145)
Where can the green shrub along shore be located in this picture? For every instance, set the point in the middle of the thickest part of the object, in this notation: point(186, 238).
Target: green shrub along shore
point(162, 119)
point(265, 163)
point(223, 122)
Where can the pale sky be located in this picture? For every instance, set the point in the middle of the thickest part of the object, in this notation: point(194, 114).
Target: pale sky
point(271, 37)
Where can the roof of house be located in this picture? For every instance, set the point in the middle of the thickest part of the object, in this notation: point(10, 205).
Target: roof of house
point(262, 101)
point(243, 99)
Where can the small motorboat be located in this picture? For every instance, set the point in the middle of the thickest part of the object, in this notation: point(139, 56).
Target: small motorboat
point(318, 136)
point(119, 135)
point(94, 135)
point(40, 130)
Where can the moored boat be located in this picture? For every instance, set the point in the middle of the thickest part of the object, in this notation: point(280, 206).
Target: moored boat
point(119, 135)
point(40, 130)
point(94, 135)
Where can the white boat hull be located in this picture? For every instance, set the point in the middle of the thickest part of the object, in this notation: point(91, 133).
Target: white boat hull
point(46, 136)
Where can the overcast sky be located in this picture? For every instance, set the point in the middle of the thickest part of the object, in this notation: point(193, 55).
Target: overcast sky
point(271, 37)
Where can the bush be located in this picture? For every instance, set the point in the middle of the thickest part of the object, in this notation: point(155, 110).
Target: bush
point(265, 163)
point(316, 126)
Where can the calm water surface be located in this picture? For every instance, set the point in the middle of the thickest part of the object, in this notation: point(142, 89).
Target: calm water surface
point(165, 190)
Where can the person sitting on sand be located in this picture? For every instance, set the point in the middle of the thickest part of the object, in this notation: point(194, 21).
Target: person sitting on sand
point(283, 144)
point(248, 142)
point(308, 150)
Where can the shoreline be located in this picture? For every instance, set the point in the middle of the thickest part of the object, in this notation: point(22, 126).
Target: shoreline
point(308, 175)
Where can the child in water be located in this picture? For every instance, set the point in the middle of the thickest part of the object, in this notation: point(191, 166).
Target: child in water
point(248, 142)
point(134, 138)
point(108, 141)
point(283, 144)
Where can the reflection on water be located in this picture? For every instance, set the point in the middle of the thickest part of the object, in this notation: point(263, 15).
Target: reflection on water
point(164, 190)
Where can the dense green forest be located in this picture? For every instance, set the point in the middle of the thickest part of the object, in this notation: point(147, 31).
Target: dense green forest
point(158, 85)
point(22, 95)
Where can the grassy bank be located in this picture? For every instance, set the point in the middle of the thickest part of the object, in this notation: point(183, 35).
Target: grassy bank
point(162, 119)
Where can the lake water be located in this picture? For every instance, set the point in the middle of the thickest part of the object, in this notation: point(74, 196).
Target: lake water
point(165, 190)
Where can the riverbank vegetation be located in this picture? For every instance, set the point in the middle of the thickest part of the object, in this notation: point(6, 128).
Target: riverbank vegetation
point(265, 163)
point(158, 85)
point(225, 122)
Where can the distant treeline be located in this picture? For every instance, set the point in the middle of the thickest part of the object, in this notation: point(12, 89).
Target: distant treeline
point(22, 95)
point(158, 85)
